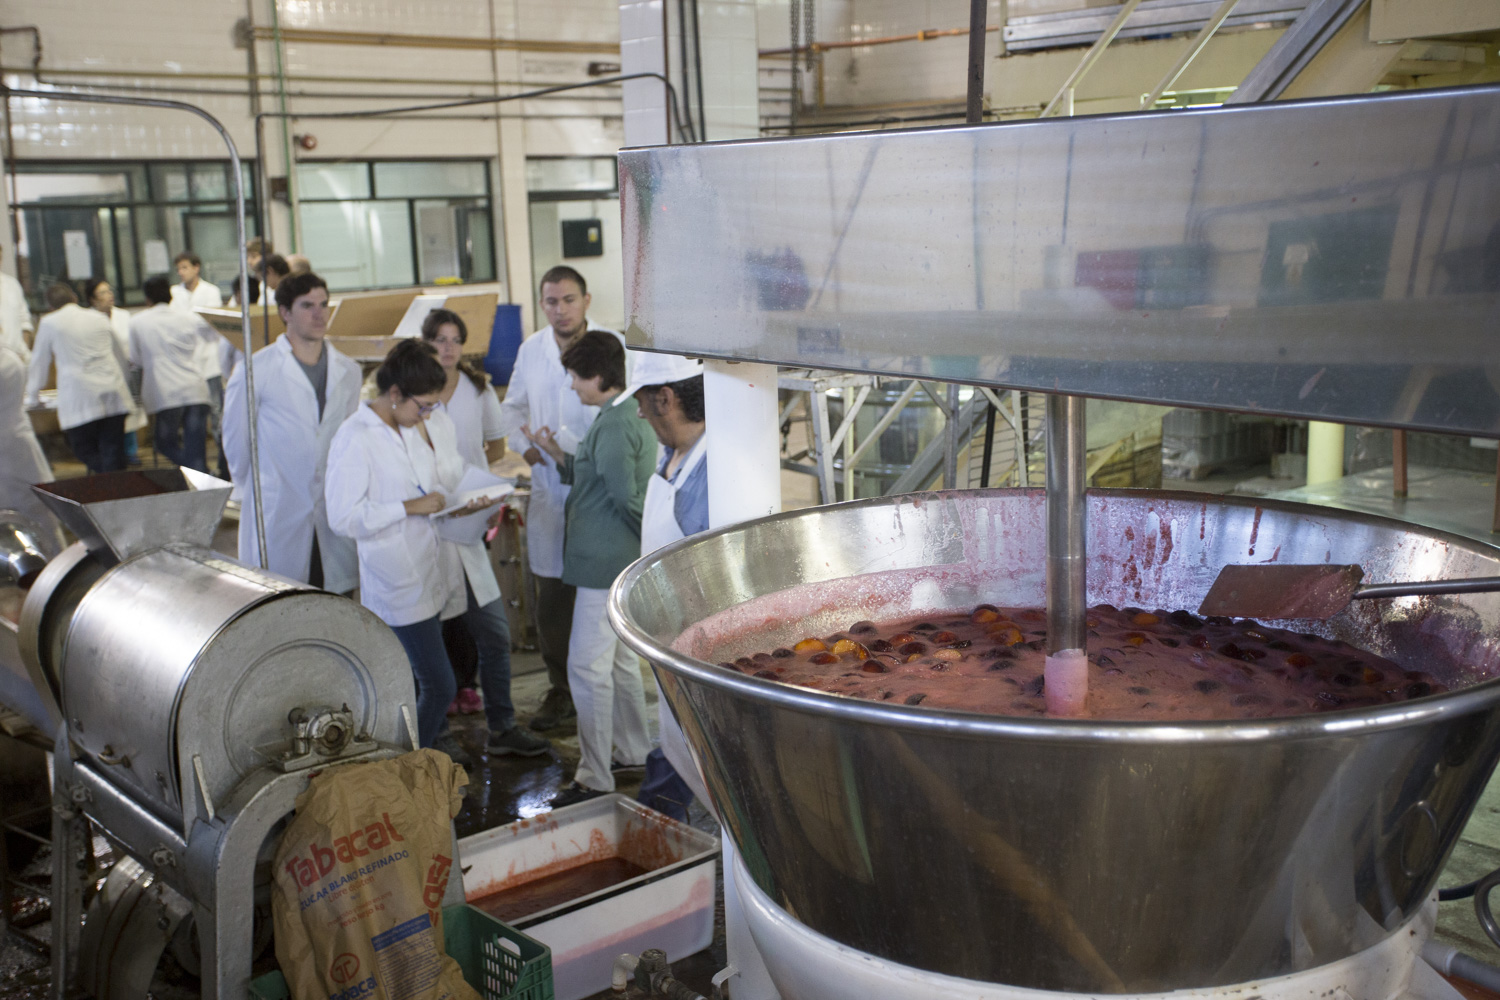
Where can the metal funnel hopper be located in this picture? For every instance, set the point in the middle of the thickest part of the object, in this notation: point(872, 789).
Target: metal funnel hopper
point(121, 514)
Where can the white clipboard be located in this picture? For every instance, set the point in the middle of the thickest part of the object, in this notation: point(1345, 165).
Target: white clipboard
point(453, 525)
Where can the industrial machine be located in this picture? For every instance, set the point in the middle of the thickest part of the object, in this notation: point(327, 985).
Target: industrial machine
point(1340, 262)
point(191, 697)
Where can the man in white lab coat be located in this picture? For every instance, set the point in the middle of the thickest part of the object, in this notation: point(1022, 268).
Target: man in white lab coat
point(15, 315)
point(92, 397)
point(541, 395)
point(304, 389)
point(164, 345)
point(195, 293)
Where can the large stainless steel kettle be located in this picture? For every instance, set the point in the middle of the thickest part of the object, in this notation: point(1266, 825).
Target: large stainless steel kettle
point(1072, 855)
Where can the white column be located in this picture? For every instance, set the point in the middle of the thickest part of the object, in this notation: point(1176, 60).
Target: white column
point(1325, 452)
point(744, 441)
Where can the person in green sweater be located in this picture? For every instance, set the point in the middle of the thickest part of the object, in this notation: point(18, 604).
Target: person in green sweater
point(602, 535)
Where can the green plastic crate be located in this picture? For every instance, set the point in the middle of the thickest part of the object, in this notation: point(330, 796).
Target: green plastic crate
point(498, 961)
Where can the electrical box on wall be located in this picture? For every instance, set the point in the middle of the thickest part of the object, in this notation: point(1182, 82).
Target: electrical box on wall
point(582, 238)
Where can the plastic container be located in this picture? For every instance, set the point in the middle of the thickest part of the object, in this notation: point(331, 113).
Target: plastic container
point(498, 961)
point(670, 906)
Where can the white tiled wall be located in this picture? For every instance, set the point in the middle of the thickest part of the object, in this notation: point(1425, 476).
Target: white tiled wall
point(187, 52)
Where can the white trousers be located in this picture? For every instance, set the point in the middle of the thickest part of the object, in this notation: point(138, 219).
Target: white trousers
point(605, 678)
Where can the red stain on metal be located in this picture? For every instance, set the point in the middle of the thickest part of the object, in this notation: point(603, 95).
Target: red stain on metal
point(1254, 530)
point(1166, 540)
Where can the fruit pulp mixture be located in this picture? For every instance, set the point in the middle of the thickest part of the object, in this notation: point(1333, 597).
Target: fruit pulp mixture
point(1143, 665)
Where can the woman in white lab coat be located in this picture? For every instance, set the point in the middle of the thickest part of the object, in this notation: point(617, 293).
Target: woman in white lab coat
point(294, 437)
point(474, 410)
point(473, 594)
point(99, 295)
point(378, 496)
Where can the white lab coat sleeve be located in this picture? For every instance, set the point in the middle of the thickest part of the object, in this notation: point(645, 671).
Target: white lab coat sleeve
point(234, 429)
point(41, 362)
point(515, 410)
point(491, 418)
point(346, 491)
point(136, 360)
point(123, 360)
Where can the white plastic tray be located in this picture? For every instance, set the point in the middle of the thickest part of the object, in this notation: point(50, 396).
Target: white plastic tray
point(670, 906)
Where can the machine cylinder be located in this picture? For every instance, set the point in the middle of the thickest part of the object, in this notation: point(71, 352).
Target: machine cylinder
point(182, 671)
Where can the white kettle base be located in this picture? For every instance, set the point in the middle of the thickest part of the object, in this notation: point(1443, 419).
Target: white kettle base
point(805, 965)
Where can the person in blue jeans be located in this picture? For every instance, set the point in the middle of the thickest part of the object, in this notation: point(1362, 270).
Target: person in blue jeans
point(164, 345)
point(473, 594)
point(378, 496)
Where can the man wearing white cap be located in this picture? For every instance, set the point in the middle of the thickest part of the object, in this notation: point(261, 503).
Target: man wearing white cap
point(668, 388)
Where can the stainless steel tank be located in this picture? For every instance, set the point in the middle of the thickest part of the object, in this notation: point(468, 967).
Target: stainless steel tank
point(1089, 856)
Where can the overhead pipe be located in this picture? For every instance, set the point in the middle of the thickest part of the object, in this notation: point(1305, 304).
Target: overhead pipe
point(925, 35)
point(56, 72)
point(293, 206)
point(698, 73)
point(309, 36)
point(239, 197)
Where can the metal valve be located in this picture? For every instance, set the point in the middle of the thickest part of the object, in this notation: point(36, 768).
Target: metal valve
point(320, 733)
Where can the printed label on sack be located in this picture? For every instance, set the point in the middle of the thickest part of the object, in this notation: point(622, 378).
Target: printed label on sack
point(407, 958)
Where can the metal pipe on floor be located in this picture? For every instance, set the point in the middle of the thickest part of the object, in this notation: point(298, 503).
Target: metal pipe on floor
point(1067, 522)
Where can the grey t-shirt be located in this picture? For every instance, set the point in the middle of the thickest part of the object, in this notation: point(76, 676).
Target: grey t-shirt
point(317, 374)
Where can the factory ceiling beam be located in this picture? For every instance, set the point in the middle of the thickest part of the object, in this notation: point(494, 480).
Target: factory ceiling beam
point(309, 36)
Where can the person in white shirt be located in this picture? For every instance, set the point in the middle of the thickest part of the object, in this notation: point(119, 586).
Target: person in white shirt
point(164, 346)
point(474, 410)
point(195, 293)
point(92, 398)
point(379, 496)
point(304, 389)
point(541, 395)
point(474, 601)
point(22, 461)
point(97, 294)
point(15, 315)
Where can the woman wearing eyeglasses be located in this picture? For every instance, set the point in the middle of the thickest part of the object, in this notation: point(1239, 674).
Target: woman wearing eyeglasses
point(376, 495)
